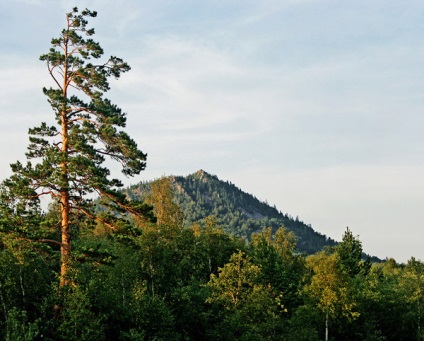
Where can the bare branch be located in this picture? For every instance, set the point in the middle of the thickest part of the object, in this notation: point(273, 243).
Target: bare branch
point(50, 241)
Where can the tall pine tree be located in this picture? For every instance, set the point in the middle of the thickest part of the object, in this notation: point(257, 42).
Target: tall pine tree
point(68, 157)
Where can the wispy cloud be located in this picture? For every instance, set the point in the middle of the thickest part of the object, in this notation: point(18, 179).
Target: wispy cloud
point(313, 105)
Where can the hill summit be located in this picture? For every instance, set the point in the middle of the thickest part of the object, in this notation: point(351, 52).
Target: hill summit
point(201, 194)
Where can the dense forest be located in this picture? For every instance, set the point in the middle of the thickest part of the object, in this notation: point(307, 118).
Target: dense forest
point(149, 262)
point(163, 281)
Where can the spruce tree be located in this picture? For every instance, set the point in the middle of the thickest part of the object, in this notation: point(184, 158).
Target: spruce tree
point(66, 159)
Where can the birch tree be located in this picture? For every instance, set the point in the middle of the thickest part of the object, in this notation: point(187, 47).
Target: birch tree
point(329, 288)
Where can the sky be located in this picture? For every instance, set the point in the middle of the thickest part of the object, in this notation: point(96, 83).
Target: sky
point(314, 106)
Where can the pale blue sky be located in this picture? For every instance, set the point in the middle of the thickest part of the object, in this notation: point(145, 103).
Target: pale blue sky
point(314, 106)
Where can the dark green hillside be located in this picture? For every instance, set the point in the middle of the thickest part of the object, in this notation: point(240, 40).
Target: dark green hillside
point(201, 194)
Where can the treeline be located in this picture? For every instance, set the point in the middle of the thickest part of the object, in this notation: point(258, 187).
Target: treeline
point(163, 281)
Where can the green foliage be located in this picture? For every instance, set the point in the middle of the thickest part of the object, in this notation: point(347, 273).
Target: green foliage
point(304, 324)
point(151, 315)
point(280, 267)
point(199, 283)
point(350, 253)
point(77, 320)
point(383, 304)
point(161, 197)
point(194, 319)
point(24, 279)
point(18, 328)
point(235, 282)
point(329, 288)
point(252, 308)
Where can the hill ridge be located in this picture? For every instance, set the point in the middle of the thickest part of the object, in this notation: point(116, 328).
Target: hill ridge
point(202, 194)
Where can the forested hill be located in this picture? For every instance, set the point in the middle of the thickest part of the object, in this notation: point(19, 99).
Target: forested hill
point(201, 194)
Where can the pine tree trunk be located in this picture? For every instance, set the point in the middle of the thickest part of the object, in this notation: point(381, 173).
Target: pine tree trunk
point(65, 248)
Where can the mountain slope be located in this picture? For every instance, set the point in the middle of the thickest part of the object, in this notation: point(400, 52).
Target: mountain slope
point(201, 194)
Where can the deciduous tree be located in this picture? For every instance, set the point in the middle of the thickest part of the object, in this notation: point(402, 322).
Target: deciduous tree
point(251, 308)
point(413, 285)
point(329, 288)
point(161, 197)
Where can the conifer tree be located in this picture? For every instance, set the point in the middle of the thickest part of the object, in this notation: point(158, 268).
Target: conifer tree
point(350, 253)
point(68, 157)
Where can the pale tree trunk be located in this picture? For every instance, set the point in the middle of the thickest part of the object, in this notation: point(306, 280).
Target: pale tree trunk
point(419, 320)
point(21, 281)
point(326, 326)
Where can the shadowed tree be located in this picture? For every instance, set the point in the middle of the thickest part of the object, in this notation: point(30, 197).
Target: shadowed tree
point(69, 156)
